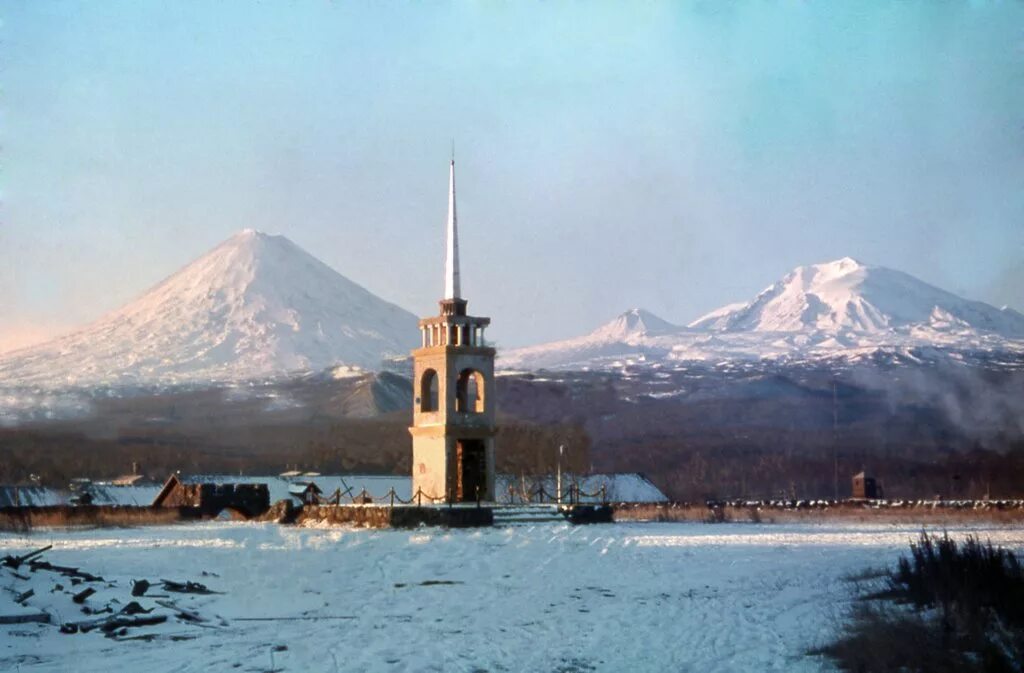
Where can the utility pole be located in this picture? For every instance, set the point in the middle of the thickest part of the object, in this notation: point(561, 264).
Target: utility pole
point(558, 477)
point(835, 441)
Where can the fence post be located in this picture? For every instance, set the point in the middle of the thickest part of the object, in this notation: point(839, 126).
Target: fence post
point(604, 494)
point(392, 495)
point(478, 497)
point(419, 497)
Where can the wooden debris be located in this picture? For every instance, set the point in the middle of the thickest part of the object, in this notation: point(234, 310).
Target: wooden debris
point(86, 610)
point(116, 623)
point(187, 615)
point(41, 617)
point(67, 571)
point(16, 561)
point(186, 587)
point(139, 587)
point(82, 595)
point(134, 608)
point(112, 624)
point(21, 598)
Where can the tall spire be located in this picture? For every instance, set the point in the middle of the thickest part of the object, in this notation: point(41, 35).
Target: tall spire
point(451, 258)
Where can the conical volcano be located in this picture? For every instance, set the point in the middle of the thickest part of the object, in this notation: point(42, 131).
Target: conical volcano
point(257, 306)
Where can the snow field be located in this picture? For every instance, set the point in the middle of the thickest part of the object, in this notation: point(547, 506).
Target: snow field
point(622, 597)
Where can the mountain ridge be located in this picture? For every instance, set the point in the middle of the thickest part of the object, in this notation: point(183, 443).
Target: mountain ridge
point(842, 308)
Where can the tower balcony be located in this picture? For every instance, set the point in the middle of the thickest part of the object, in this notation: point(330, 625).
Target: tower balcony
point(453, 331)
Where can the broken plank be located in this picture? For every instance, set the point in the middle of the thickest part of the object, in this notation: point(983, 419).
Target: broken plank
point(187, 587)
point(188, 615)
point(41, 617)
point(82, 595)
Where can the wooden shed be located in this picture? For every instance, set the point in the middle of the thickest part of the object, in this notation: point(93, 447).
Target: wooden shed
point(866, 487)
point(211, 499)
point(308, 493)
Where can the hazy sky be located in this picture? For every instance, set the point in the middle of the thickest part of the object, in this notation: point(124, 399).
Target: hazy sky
point(672, 156)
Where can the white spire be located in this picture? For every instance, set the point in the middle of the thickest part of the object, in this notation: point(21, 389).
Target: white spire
point(451, 258)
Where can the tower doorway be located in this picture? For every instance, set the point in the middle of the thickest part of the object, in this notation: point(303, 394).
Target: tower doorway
point(472, 470)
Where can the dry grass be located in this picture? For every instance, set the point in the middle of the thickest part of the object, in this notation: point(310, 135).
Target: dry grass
point(947, 607)
point(853, 512)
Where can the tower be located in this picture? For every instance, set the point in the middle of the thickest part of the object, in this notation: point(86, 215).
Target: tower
point(453, 423)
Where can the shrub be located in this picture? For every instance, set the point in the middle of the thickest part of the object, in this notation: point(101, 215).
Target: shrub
point(947, 607)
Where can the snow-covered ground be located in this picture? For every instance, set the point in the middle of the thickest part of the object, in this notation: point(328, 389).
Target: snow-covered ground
point(622, 597)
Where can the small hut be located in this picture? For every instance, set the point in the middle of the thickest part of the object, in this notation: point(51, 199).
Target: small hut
point(135, 478)
point(866, 487)
point(308, 493)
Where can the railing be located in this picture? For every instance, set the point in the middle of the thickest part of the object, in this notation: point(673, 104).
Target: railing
point(418, 498)
point(540, 495)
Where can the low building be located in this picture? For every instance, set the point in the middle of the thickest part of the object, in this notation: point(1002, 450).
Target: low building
point(249, 500)
point(866, 487)
point(307, 493)
point(135, 478)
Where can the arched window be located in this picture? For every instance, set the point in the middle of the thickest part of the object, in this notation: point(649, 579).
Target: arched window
point(428, 391)
point(469, 392)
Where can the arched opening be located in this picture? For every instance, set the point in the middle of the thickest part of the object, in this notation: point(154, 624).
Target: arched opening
point(428, 391)
point(469, 392)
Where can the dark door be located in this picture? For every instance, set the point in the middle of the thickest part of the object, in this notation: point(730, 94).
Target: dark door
point(472, 470)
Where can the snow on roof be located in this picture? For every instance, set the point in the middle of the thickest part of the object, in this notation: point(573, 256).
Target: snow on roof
point(29, 496)
point(102, 494)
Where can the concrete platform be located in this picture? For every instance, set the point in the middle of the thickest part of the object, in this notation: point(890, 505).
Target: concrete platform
point(399, 516)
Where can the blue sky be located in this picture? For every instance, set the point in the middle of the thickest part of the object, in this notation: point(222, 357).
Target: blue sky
point(675, 156)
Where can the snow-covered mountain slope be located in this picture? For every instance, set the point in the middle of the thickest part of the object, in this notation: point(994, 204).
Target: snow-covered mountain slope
point(847, 296)
point(841, 308)
point(632, 334)
point(257, 306)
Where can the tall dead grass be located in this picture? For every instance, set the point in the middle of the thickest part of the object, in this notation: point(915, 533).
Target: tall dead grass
point(853, 512)
point(947, 607)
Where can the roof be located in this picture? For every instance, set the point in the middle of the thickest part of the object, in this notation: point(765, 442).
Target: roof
point(131, 480)
point(302, 488)
point(168, 487)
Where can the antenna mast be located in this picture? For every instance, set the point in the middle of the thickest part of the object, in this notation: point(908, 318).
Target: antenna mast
point(835, 441)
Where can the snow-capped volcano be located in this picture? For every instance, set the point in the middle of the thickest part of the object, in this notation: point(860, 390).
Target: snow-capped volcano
point(847, 296)
point(256, 306)
point(631, 334)
point(840, 308)
point(631, 324)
